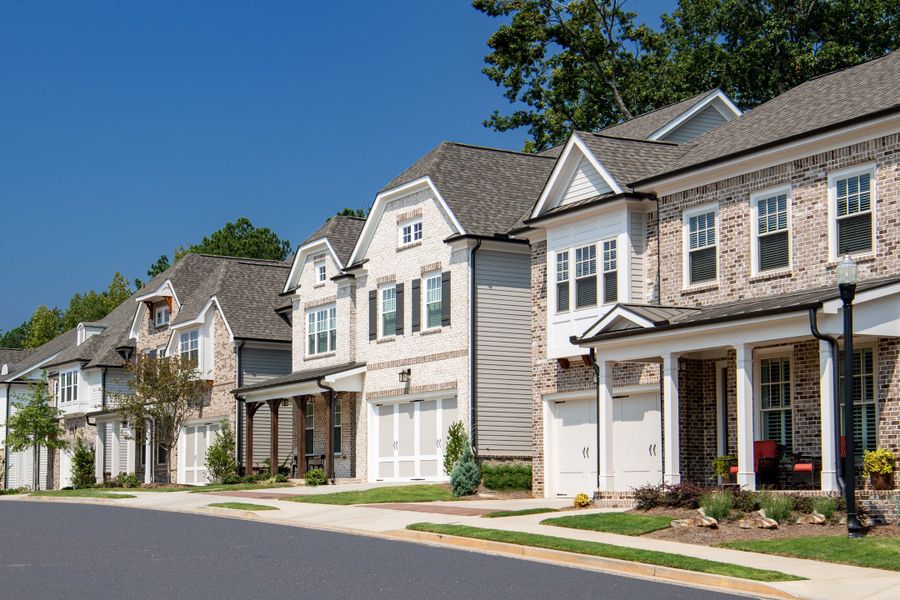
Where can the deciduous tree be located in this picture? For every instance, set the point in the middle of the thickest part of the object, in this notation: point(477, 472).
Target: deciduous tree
point(35, 425)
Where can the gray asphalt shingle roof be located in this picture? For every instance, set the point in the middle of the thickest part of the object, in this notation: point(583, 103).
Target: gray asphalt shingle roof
point(341, 232)
point(626, 159)
point(825, 101)
point(487, 189)
point(642, 126)
point(42, 353)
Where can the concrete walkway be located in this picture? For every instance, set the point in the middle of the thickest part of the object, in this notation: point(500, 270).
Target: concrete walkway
point(824, 580)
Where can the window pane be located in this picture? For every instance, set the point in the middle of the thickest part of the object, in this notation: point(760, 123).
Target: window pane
point(610, 287)
point(562, 296)
point(433, 301)
point(855, 234)
point(703, 265)
point(586, 291)
point(702, 230)
point(585, 261)
point(562, 267)
point(773, 251)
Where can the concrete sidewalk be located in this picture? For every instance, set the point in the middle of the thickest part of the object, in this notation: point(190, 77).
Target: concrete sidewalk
point(824, 580)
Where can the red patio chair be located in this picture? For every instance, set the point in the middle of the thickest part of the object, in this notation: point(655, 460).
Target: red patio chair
point(803, 466)
point(765, 460)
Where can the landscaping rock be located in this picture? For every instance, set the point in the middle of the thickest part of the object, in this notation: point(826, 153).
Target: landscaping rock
point(758, 520)
point(700, 521)
point(811, 519)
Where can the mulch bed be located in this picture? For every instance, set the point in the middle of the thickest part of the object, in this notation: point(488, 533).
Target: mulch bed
point(729, 531)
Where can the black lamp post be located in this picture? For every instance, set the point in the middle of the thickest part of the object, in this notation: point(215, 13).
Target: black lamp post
point(847, 272)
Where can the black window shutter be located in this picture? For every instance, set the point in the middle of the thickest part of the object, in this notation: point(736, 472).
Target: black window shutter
point(445, 299)
point(416, 304)
point(399, 326)
point(373, 314)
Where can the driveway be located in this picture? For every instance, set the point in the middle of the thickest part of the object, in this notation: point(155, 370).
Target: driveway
point(54, 550)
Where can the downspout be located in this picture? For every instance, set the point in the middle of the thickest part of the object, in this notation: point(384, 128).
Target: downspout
point(814, 328)
point(239, 407)
point(329, 441)
point(593, 356)
point(473, 361)
point(103, 388)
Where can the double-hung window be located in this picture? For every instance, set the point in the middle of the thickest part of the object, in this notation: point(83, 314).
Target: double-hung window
point(67, 387)
point(189, 346)
point(772, 229)
point(853, 212)
point(775, 400)
point(586, 276)
point(389, 311)
point(336, 444)
point(309, 425)
point(433, 301)
point(161, 316)
point(701, 247)
point(321, 331)
point(410, 232)
point(610, 272)
point(864, 415)
point(562, 281)
point(321, 272)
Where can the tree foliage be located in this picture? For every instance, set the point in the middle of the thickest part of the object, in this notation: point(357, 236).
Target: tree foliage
point(35, 425)
point(16, 337)
point(465, 476)
point(457, 441)
point(352, 212)
point(586, 64)
point(241, 238)
point(221, 462)
point(83, 474)
point(45, 324)
point(93, 306)
point(165, 390)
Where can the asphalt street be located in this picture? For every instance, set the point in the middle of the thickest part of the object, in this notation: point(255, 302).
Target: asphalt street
point(86, 551)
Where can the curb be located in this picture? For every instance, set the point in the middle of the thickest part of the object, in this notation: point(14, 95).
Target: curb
point(598, 563)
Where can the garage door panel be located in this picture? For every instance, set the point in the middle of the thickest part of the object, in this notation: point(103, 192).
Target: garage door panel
point(428, 433)
point(406, 429)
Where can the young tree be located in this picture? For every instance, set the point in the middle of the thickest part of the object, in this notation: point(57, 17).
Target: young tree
point(46, 324)
point(166, 391)
point(83, 474)
point(221, 462)
point(35, 425)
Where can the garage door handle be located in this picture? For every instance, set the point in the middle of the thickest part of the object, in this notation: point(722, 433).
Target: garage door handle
point(587, 452)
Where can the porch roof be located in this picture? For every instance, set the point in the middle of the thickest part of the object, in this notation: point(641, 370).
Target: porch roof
point(625, 320)
point(291, 384)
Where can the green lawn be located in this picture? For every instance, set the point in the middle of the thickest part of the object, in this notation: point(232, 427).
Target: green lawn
point(519, 513)
point(224, 487)
point(875, 552)
point(242, 506)
point(402, 493)
point(622, 523)
point(88, 493)
point(650, 557)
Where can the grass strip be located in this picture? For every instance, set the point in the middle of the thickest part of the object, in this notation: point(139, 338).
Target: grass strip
point(403, 493)
point(519, 513)
point(621, 523)
point(650, 557)
point(88, 493)
point(873, 552)
point(227, 487)
point(242, 506)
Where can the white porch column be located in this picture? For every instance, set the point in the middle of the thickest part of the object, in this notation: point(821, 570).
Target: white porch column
point(130, 449)
point(746, 477)
point(671, 443)
point(115, 467)
point(148, 452)
point(99, 451)
point(829, 418)
point(605, 427)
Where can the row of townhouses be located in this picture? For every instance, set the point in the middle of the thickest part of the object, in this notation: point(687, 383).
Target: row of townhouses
point(618, 310)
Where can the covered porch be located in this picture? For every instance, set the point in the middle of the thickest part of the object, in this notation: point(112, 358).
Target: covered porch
point(751, 380)
point(301, 421)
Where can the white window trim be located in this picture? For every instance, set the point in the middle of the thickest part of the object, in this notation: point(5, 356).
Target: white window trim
point(74, 387)
point(601, 271)
point(199, 346)
point(412, 236)
point(686, 246)
point(326, 308)
point(424, 308)
point(569, 270)
point(573, 276)
point(338, 412)
point(870, 168)
point(157, 312)
point(310, 415)
point(758, 356)
point(381, 304)
point(755, 197)
point(321, 272)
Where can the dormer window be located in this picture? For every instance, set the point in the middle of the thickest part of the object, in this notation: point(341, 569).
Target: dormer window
point(321, 272)
point(67, 387)
point(410, 232)
point(161, 316)
point(189, 346)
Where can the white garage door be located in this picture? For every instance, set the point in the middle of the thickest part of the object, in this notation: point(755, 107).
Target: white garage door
point(20, 469)
point(573, 447)
point(65, 467)
point(194, 441)
point(410, 437)
point(637, 446)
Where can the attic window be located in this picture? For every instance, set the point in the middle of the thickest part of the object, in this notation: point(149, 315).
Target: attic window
point(321, 272)
point(410, 232)
point(161, 316)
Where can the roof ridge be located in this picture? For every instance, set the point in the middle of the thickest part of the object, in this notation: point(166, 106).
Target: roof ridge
point(842, 69)
point(630, 139)
point(493, 149)
point(670, 105)
point(238, 258)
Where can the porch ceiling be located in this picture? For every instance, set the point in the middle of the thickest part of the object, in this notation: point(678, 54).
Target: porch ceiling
point(342, 378)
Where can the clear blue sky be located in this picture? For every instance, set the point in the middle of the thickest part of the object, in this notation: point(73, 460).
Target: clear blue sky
point(128, 128)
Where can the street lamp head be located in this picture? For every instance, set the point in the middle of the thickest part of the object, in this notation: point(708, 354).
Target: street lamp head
point(847, 272)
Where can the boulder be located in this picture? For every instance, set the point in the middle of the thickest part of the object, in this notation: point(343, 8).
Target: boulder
point(811, 519)
point(756, 521)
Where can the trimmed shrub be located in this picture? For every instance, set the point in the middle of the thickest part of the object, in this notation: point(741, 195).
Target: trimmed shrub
point(465, 477)
point(126, 480)
point(804, 504)
point(582, 501)
point(83, 475)
point(457, 440)
point(717, 505)
point(827, 506)
point(647, 497)
point(220, 459)
point(744, 501)
point(777, 507)
point(682, 495)
point(505, 476)
point(245, 479)
point(316, 477)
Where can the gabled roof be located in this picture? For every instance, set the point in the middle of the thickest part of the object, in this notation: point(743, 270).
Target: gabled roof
point(341, 232)
point(487, 189)
point(818, 104)
point(10, 356)
point(643, 126)
point(43, 353)
point(626, 159)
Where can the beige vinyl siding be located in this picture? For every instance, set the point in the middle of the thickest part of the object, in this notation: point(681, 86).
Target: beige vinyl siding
point(107, 446)
point(585, 183)
point(259, 364)
point(707, 119)
point(503, 352)
point(262, 437)
point(123, 452)
point(637, 233)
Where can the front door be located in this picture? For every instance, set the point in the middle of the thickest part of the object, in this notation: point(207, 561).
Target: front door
point(575, 446)
point(637, 446)
point(410, 438)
